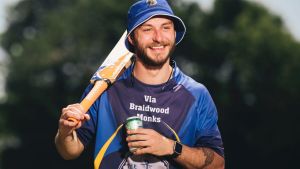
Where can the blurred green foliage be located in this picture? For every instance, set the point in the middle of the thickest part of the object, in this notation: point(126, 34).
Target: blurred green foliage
point(241, 52)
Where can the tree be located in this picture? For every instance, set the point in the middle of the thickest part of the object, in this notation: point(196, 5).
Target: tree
point(54, 46)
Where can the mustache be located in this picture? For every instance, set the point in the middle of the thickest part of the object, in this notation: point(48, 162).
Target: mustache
point(156, 44)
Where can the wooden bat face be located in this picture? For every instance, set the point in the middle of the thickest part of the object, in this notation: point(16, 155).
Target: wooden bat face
point(117, 61)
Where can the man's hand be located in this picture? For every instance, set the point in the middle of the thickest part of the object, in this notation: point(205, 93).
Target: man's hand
point(149, 141)
point(67, 144)
point(75, 111)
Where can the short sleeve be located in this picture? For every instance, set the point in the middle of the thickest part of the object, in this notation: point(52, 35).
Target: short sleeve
point(208, 134)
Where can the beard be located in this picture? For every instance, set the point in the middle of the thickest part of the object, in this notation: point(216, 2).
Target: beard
point(147, 60)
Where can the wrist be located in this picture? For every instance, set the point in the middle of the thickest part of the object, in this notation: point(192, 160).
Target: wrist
point(171, 147)
point(168, 145)
point(66, 136)
point(177, 149)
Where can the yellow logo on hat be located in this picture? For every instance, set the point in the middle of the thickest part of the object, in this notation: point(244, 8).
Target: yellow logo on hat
point(151, 2)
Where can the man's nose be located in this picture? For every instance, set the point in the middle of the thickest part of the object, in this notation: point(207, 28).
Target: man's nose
point(157, 36)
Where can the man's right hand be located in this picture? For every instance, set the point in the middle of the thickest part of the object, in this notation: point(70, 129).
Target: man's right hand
point(67, 144)
point(75, 111)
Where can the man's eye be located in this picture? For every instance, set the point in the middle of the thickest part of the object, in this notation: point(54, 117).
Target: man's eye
point(147, 29)
point(167, 27)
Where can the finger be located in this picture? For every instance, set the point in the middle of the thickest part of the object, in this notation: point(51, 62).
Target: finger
point(139, 131)
point(87, 116)
point(79, 106)
point(137, 137)
point(141, 151)
point(78, 111)
point(138, 144)
point(67, 114)
point(79, 124)
point(67, 123)
point(76, 106)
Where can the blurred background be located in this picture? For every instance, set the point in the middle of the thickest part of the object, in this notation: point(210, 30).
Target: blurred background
point(246, 52)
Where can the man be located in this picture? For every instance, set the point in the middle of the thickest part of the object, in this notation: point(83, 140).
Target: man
point(179, 117)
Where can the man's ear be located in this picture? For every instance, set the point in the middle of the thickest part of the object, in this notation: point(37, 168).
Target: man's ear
point(130, 40)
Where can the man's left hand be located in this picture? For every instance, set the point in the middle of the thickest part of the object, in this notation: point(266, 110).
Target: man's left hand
point(148, 141)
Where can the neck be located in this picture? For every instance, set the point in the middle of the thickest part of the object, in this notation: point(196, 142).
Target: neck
point(152, 76)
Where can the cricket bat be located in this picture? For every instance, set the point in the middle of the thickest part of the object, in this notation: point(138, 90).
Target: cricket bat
point(118, 60)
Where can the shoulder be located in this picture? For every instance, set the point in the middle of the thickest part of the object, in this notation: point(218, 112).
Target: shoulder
point(197, 89)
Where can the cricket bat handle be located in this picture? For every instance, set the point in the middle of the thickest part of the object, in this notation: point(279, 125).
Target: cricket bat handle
point(99, 87)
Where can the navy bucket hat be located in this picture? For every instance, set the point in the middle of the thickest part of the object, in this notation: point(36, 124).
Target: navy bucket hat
point(143, 10)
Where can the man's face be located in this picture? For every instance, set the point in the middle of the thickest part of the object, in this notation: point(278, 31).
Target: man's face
point(154, 41)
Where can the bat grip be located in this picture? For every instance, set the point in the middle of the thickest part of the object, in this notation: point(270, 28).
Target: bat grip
point(99, 87)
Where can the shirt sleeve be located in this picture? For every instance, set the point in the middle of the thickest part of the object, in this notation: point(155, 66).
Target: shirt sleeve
point(87, 131)
point(208, 131)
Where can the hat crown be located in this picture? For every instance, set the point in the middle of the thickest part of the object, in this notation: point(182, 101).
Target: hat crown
point(151, 2)
point(146, 5)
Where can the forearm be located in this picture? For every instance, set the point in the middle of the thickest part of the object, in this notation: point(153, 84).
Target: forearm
point(200, 158)
point(69, 146)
